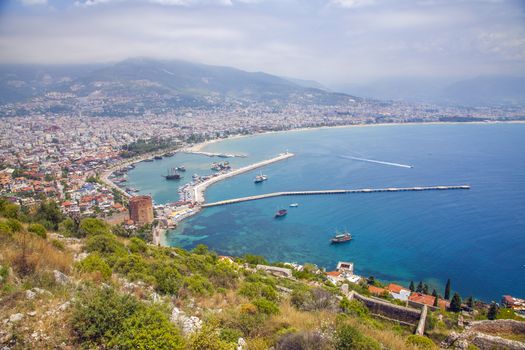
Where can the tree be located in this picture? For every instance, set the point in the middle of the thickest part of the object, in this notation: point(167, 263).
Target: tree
point(436, 298)
point(455, 303)
point(412, 288)
point(419, 288)
point(447, 290)
point(493, 311)
point(425, 288)
point(470, 302)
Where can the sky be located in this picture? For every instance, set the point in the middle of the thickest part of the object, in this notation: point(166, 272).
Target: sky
point(335, 42)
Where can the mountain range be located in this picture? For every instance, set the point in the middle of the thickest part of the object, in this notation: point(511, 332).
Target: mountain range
point(182, 82)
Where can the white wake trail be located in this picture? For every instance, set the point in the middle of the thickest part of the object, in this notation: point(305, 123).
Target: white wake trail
point(378, 162)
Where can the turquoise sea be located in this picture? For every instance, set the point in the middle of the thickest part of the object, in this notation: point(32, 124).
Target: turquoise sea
point(475, 237)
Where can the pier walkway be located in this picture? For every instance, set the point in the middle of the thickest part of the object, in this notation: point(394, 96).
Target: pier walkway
point(309, 193)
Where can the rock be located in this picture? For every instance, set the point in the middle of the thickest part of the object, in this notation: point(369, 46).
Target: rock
point(64, 306)
point(41, 291)
point(344, 288)
point(462, 344)
point(31, 313)
point(189, 324)
point(80, 256)
point(241, 344)
point(61, 278)
point(16, 317)
point(30, 295)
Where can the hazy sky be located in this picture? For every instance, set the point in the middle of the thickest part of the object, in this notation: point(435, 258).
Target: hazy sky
point(332, 41)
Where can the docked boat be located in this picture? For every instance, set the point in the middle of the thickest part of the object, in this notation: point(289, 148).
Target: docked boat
point(148, 160)
point(181, 168)
point(280, 213)
point(157, 157)
point(260, 178)
point(173, 174)
point(341, 237)
point(294, 205)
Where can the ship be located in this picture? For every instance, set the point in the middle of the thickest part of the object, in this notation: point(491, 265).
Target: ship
point(341, 237)
point(280, 213)
point(260, 178)
point(294, 205)
point(172, 174)
point(181, 168)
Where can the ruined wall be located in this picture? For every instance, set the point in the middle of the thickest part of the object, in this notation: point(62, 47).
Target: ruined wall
point(498, 326)
point(389, 310)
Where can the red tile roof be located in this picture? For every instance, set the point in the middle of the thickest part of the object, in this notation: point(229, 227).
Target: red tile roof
point(376, 290)
point(422, 299)
point(395, 288)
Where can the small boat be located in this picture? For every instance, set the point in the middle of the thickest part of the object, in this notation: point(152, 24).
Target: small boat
point(260, 178)
point(341, 237)
point(181, 168)
point(157, 157)
point(280, 213)
point(294, 205)
point(148, 160)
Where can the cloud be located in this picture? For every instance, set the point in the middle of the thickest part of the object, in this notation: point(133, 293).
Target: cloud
point(33, 2)
point(352, 3)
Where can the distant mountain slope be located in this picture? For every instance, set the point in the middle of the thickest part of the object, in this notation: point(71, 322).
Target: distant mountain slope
point(178, 81)
point(487, 90)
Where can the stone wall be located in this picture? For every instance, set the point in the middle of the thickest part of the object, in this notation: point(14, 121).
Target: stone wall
point(391, 311)
point(498, 326)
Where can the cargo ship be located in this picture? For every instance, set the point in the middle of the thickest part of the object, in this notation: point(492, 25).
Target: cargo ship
point(172, 174)
point(341, 237)
point(280, 213)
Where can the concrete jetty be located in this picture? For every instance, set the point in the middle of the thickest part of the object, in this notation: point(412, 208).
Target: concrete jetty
point(212, 154)
point(309, 193)
point(199, 189)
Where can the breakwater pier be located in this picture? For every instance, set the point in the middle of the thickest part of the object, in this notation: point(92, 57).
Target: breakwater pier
point(342, 191)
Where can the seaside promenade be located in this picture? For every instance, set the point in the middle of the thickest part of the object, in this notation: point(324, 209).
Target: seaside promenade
point(199, 189)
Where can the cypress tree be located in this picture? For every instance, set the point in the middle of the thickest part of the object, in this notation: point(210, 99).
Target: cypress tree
point(434, 293)
point(412, 288)
point(455, 303)
point(447, 290)
point(436, 300)
point(470, 302)
point(419, 288)
point(493, 311)
point(425, 288)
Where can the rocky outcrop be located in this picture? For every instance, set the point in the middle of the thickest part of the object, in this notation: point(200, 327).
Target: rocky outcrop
point(189, 324)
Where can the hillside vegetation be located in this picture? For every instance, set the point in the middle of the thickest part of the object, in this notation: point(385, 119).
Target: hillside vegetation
point(88, 288)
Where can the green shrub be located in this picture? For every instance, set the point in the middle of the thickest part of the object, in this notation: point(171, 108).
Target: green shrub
point(198, 285)
point(254, 290)
point(38, 230)
point(105, 244)
point(5, 230)
point(266, 306)
point(354, 307)
point(99, 315)
point(94, 263)
point(137, 245)
point(207, 339)
point(148, 328)
point(255, 259)
point(14, 225)
point(223, 275)
point(92, 226)
point(349, 338)
point(167, 277)
point(58, 244)
point(132, 264)
point(420, 341)
point(230, 335)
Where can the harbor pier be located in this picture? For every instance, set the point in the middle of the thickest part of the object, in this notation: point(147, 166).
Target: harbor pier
point(342, 191)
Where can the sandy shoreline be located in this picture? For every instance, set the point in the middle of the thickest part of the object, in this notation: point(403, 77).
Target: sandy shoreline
point(200, 146)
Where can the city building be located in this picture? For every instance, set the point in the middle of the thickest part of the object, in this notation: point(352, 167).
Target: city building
point(141, 210)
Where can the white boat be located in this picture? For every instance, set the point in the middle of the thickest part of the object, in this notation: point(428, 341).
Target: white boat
point(294, 205)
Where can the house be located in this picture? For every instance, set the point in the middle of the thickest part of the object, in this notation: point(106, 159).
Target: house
point(377, 290)
point(398, 292)
point(334, 277)
point(513, 303)
point(343, 266)
point(425, 299)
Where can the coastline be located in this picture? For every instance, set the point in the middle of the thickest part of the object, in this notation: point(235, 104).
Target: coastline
point(199, 147)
